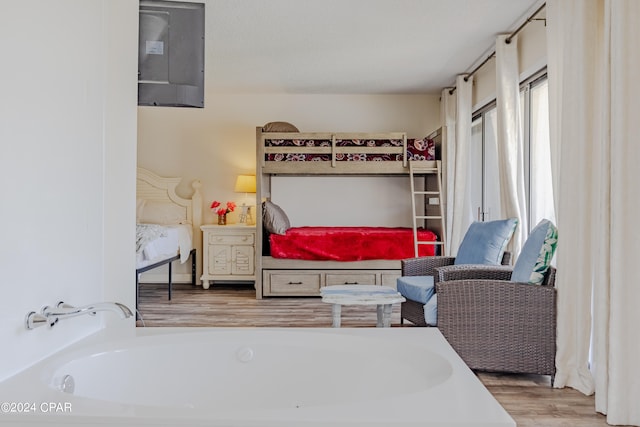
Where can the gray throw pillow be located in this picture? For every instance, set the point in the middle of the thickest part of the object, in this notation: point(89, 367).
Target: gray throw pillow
point(274, 218)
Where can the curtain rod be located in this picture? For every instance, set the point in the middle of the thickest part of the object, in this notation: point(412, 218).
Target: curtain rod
point(507, 40)
point(524, 24)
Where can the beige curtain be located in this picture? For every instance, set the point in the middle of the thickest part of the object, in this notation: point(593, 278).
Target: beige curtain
point(510, 139)
point(572, 146)
point(448, 115)
point(460, 205)
point(594, 109)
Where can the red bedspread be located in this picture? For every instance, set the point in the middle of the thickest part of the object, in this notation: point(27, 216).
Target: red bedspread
point(348, 243)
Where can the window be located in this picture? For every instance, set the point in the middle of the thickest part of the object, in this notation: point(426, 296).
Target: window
point(540, 184)
point(485, 181)
point(485, 193)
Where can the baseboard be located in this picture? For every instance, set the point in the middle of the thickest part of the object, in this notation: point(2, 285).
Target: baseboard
point(151, 277)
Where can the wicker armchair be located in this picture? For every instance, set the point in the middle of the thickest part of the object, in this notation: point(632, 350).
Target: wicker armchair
point(496, 325)
point(413, 311)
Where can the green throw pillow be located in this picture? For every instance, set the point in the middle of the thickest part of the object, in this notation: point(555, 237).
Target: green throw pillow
point(536, 254)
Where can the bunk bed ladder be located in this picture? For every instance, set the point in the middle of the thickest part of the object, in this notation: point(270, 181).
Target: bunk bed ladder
point(431, 213)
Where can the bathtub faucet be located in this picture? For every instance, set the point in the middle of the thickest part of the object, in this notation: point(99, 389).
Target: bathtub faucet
point(51, 315)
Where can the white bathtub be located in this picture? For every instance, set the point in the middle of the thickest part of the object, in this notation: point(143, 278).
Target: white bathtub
point(254, 377)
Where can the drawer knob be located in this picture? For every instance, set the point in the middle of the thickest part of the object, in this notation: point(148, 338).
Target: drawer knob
point(295, 283)
point(350, 283)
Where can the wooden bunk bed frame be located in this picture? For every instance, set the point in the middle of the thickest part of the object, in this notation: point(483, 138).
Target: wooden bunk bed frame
point(294, 277)
point(150, 186)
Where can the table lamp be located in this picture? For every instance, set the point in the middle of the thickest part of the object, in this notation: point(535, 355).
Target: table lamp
point(245, 184)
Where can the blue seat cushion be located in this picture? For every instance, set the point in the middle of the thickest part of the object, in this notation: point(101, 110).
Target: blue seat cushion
point(431, 311)
point(536, 254)
point(416, 288)
point(485, 242)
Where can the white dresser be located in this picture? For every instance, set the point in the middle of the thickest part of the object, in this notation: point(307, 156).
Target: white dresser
point(228, 253)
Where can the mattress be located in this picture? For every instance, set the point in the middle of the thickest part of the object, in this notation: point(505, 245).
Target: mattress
point(155, 243)
point(417, 149)
point(349, 243)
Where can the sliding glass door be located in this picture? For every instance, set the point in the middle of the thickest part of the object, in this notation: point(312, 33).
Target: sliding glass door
point(540, 184)
point(485, 188)
point(485, 180)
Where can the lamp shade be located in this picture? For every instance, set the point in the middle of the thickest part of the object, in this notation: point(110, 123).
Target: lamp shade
point(245, 184)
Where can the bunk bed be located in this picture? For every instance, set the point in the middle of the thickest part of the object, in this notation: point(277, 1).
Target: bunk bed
point(340, 154)
point(167, 226)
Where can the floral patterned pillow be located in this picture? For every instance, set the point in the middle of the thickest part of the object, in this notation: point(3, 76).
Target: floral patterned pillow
point(535, 258)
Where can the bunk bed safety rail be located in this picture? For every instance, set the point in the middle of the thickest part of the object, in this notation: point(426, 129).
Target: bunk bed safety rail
point(404, 150)
point(333, 148)
point(333, 151)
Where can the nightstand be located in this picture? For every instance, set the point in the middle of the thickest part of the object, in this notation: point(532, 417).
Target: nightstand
point(228, 253)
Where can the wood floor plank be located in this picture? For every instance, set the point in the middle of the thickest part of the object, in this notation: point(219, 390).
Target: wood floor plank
point(529, 399)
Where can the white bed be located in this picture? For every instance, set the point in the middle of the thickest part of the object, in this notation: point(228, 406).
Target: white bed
point(155, 242)
point(168, 226)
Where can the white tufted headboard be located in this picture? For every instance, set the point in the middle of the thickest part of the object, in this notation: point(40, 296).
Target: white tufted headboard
point(151, 187)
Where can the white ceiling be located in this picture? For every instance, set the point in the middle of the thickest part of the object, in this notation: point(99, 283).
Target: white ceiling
point(351, 46)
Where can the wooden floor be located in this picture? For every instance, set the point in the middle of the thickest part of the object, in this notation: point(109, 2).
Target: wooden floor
point(529, 399)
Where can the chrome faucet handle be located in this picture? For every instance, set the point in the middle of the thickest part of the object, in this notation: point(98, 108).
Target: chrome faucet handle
point(46, 313)
point(62, 304)
point(34, 320)
point(46, 310)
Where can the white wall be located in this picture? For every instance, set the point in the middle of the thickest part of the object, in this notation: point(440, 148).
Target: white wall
point(381, 201)
point(67, 126)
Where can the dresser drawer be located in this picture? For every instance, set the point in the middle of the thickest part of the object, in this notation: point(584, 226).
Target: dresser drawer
point(290, 283)
point(390, 279)
point(350, 279)
point(231, 239)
